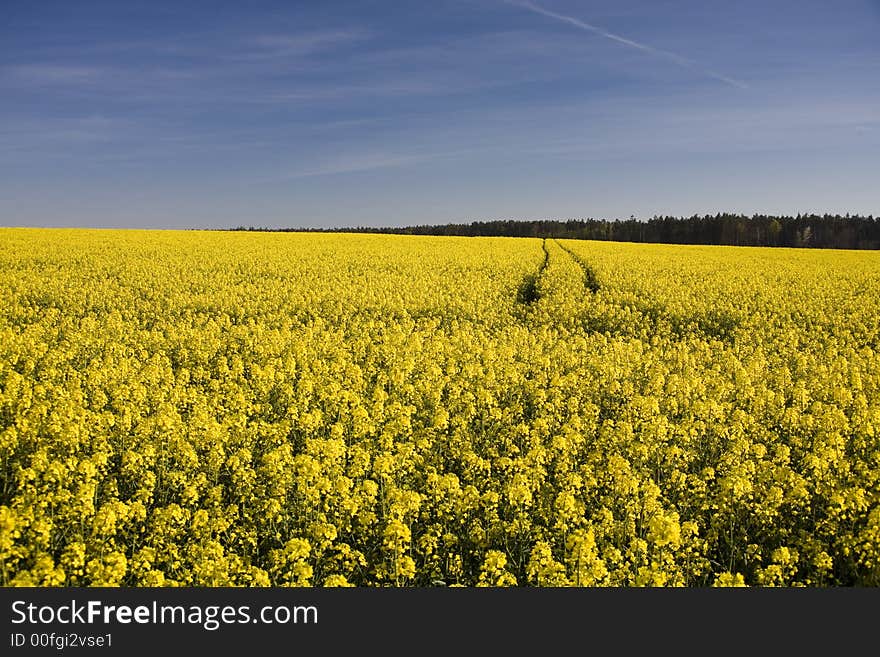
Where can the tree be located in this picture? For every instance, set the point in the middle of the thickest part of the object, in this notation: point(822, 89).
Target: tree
point(804, 237)
point(774, 228)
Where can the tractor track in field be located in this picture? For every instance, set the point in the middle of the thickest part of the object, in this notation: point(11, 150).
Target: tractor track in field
point(591, 281)
point(595, 315)
point(528, 292)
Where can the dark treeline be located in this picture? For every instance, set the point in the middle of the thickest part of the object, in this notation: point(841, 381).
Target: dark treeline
point(804, 230)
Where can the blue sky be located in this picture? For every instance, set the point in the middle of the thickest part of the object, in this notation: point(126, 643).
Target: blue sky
point(301, 114)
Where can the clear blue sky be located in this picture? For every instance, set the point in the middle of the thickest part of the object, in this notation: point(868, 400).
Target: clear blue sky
point(217, 114)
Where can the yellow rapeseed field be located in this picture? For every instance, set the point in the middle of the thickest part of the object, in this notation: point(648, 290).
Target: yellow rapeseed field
point(255, 409)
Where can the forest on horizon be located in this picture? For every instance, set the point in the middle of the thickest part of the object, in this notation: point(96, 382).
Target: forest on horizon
point(801, 231)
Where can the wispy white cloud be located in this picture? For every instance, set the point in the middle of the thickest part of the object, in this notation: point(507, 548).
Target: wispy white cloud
point(370, 161)
point(664, 128)
point(232, 45)
point(308, 41)
point(352, 164)
point(295, 69)
point(66, 129)
point(381, 87)
point(54, 73)
point(258, 69)
point(269, 46)
point(64, 138)
point(665, 54)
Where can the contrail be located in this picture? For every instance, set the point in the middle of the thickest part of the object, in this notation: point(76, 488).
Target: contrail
point(671, 56)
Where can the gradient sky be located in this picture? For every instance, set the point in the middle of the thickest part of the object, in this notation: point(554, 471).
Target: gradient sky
point(163, 114)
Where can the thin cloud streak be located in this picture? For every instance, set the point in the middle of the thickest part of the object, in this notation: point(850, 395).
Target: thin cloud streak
point(272, 46)
point(354, 163)
point(53, 73)
point(671, 56)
